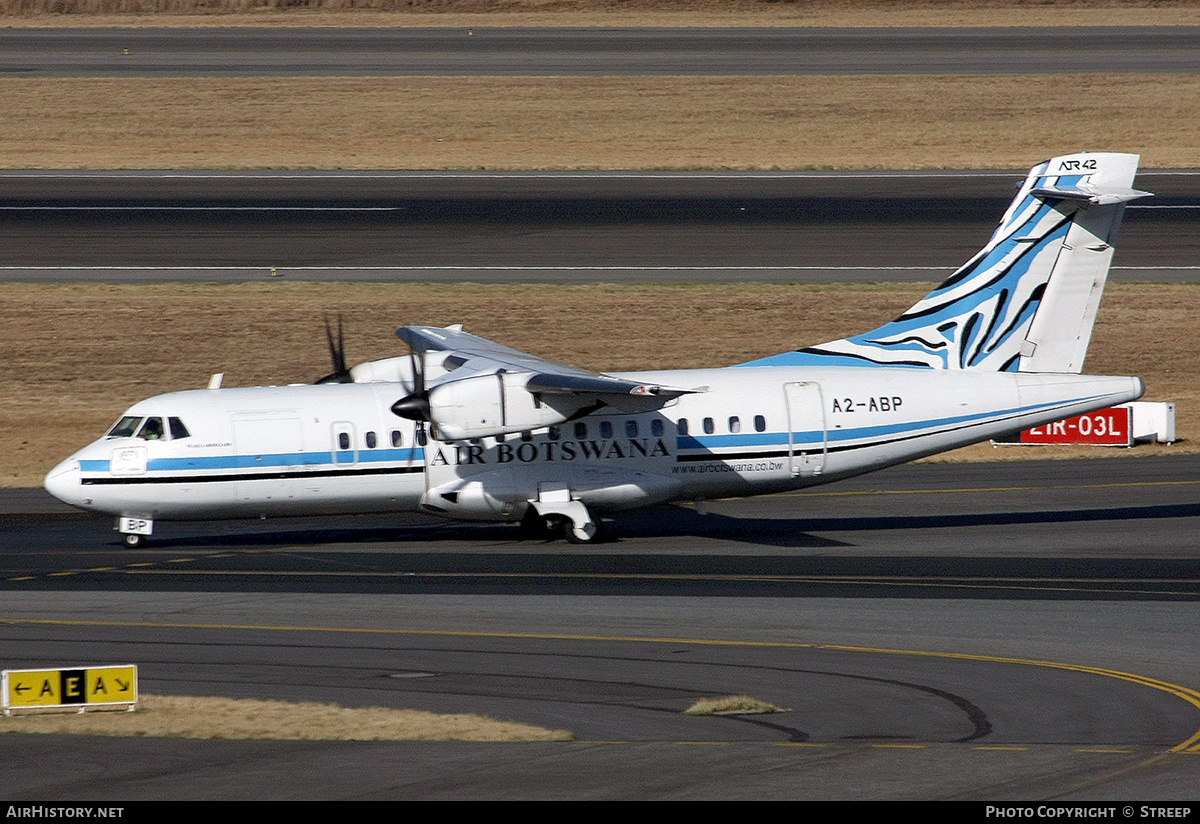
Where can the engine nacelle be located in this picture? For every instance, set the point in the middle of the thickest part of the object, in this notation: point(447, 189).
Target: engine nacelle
point(400, 370)
point(495, 404)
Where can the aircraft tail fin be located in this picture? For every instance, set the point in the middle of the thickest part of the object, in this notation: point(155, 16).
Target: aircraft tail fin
point(1028, 300)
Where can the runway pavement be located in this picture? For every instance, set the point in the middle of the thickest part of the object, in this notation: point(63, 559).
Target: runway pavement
point(552, 227)
point(231, 52)
point(1004, 631)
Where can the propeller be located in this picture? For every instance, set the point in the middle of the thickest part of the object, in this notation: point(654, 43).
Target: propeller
point(415, 405)
point(337, 353)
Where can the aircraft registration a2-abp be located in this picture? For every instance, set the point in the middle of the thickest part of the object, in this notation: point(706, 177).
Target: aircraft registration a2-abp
point(467, 428)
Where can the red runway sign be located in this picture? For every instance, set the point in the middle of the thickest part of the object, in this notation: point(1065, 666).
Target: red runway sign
point(1107, 427)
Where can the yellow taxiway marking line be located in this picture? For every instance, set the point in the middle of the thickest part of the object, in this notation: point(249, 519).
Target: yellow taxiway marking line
point(967, 489)
point(807, 493)
point(900, 746)
point(1019, 585)
point(1191, 696)
point(1002, 749)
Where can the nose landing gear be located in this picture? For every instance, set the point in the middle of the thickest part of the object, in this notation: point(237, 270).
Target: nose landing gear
point(134, 531)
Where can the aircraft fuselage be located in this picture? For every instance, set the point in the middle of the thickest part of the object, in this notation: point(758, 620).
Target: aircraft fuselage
point(337, 448)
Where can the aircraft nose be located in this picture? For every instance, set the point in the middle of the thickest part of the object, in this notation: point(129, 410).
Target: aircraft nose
point(63, 482)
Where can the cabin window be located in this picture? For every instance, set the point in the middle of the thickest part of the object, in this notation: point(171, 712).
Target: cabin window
point(709, 426)
point(422, 438)
point(631, 429)
point(682, 426)
point(760, 423)
point(735, 424)
point(343, 440)
point(527, 435)
point(152, 430)
point(656, 427)
point(178, 430)
point(397, 437)
point(125, 427)
point(371, 440)
point(553, 433)
point(580, 430)
point(605, 429)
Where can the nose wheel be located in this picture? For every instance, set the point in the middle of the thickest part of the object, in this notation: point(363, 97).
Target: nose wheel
point(134, 531)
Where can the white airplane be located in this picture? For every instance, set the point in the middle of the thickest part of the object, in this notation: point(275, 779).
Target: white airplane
point(467, 428)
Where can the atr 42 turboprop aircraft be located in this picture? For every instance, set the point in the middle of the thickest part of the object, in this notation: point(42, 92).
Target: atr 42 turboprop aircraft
point(470, 429)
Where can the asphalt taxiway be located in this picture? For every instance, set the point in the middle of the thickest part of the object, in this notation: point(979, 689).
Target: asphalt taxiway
point(1001, 631)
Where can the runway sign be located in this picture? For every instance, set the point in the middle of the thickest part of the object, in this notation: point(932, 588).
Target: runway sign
point(1107, 427)
point(78, 688)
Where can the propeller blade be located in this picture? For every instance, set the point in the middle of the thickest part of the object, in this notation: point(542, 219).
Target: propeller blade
point(415, 405)
point(337, 354)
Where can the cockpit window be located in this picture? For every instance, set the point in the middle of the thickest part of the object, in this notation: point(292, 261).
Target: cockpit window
point(178, 430)
point(152, 430)
point(125, 427)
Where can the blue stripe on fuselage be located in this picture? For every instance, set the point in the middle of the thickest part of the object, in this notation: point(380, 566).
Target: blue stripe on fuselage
point(857, 433)
point(227, 462)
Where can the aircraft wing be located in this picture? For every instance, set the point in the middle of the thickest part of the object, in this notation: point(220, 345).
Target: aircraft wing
point(482, 356)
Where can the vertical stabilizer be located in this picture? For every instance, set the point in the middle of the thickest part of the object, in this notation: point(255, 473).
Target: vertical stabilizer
point(1027, 301)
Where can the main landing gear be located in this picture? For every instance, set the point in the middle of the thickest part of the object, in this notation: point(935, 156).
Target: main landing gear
point(550, 520)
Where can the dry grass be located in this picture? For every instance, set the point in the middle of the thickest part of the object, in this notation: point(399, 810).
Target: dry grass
point(730, 705)
point(593, 122)
point(179, 717)
point(78, 355)
point(467, 13)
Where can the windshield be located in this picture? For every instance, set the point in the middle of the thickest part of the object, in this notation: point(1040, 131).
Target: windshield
point(152, 430)
point(125, 427)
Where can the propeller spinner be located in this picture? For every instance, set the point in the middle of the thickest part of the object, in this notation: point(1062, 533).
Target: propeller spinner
point(415, 405)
